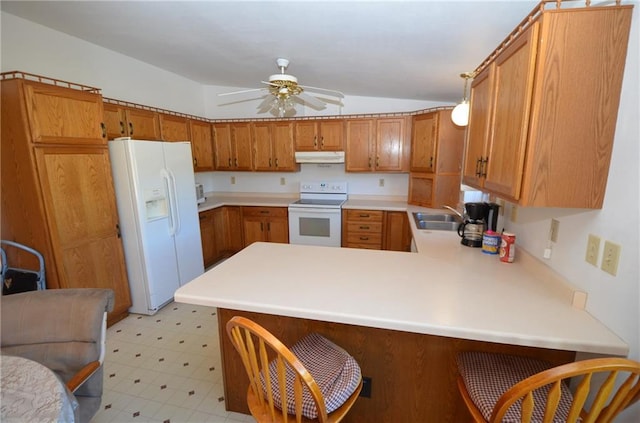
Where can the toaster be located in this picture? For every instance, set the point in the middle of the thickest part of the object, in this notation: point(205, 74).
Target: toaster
point(200, 194)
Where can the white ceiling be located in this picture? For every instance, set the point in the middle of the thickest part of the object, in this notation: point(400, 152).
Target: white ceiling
point(397, 49)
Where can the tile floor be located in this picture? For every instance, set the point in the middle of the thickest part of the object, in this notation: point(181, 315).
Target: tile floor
point(165, 368)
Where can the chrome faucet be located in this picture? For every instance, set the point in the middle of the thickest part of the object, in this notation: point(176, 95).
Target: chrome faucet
point(454, 210)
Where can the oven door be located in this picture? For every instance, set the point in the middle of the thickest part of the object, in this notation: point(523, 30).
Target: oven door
point(315, 226)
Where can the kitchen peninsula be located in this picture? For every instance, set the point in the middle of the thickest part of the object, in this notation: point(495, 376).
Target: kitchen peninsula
point(403, 316)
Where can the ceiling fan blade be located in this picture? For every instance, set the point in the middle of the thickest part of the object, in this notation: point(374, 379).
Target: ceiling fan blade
point(312, 101)
point(265, 104)
point(330, 92)
point(270, 83)
point(240, 92)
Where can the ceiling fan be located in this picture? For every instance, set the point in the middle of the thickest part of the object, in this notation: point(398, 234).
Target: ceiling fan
point(284, 91)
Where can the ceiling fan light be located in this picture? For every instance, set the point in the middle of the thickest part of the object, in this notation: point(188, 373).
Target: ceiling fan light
point(460, 114)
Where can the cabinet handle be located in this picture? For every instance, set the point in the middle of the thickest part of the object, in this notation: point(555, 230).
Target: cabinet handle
point(195, 162)
point(369, 161)
point(478, 164)
point(364, 238)
point(269, 162)
point(201, 217)
point(322, 142)
point(261, 227)
point(377, 161)
point(229, 161)
point(483, 168)
point(364, 227)
point(276, 162)
point(121, 128)
point(431, 163)
point(269, 226)
point(130, 128)
point(104, 130)
point(118, 230)
point(236, 161)
point(315, 140)
point(264, 211)
point(364, 215)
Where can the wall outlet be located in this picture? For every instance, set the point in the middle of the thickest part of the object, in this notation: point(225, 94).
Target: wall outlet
point(233, 180)
point(593, 248)
point(282, 181)
point(610, 257)
point(553, 231)
point(381, 182)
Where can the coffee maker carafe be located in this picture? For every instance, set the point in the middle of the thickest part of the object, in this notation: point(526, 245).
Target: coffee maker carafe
point(472, 228)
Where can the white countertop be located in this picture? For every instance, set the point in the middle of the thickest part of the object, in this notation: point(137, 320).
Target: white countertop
point(446, 289)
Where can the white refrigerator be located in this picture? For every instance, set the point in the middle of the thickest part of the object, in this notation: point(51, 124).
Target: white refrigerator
point(156, 199)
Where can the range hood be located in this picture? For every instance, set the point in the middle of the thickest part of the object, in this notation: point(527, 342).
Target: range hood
point(319, 156)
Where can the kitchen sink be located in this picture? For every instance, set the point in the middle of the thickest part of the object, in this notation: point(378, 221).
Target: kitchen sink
point(438, 222)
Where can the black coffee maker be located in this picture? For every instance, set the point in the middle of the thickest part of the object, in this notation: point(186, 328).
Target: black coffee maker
point(478, 218)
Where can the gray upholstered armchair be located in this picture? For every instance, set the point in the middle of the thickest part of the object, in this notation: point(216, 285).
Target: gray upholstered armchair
point(63, 329)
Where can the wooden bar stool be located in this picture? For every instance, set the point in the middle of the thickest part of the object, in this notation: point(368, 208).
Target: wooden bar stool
point(504, 388)
point(314, 381)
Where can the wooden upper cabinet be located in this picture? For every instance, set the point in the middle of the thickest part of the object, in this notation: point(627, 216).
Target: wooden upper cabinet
point(174, 128)
point(543, 113)
point(376, 145)
point(273, 146)
point(232, 145)
point(201, 145)
point(58, 115)
point(123, 121)
point(391, 145)
point(423, 142)
point(326, 135)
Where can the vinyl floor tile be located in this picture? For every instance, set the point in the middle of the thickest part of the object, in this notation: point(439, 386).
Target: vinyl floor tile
point(165, 368)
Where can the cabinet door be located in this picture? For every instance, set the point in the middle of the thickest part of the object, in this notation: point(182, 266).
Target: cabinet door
point(254, 229)
point(143, 124)
point(514, 72)
point(390, 145)
point(397, 232)
point(423, 142)
point(262, 157)
point(306, 135)
point(207, 237)
point(241, 142)
point(83, 220)
point(233, 229)
point(59, 115)
point(359, 152)
point(222, 152)
point(201, 145)
point(278, 229)
point(331, 133)
point(478, 130)
point(282, 146)
point(174, 128)
point(114, 121)
point(421, 189)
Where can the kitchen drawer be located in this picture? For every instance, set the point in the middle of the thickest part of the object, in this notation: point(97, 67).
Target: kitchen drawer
point(365, 240)
point(264, 211)
point(364, 227)
point(365, 215)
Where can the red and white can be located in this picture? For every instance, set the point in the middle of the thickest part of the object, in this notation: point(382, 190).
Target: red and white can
point(507, 247)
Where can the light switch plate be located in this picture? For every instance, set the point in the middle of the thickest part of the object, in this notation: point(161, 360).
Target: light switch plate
point(593, 248)
point(610, 257)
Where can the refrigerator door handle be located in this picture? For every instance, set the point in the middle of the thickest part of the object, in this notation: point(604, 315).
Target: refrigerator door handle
point(173, 201)
point(167, 181)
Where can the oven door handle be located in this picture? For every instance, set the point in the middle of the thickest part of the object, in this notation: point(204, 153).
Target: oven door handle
point(311, 210)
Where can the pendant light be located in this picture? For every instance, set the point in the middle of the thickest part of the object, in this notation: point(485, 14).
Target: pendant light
point(460, 114)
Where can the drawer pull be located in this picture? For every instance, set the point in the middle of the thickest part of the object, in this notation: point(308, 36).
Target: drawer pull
point(365, 215)
point(364, 227)
point(364, 238)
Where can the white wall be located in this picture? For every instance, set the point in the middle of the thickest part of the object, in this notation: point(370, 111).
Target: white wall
point(33, 48)
point(613, 300)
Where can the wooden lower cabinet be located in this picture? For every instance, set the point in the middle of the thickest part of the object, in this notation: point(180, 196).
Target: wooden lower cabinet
point(266, 224)
point(221, 233)
point(413, 376)
point(376, 230)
